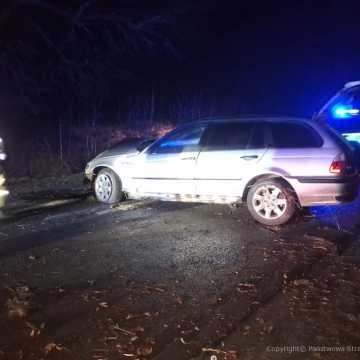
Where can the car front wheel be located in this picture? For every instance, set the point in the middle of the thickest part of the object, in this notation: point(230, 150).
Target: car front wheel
point(271, 202)
point(107, 186)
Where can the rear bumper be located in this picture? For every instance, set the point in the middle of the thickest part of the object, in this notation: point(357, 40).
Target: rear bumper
point(325, 191)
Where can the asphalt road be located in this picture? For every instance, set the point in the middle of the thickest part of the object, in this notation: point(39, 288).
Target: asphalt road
point(148, 279)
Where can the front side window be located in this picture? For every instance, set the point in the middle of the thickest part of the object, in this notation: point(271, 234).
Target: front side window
point(180, 140)
point(230, 136)
point(287, 135)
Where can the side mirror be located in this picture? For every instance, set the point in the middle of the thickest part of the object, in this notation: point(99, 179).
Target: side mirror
point(143, 145)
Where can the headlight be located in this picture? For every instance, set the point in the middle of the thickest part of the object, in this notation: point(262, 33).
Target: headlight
point(88, 168)
point(2, 180)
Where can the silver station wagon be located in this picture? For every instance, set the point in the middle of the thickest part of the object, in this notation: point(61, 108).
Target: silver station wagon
point(274, 165)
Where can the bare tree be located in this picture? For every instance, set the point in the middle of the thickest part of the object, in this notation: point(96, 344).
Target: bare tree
point(77, 54)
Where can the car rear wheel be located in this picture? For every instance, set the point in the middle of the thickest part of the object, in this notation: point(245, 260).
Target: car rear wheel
point(271, 202)
point(107, 187)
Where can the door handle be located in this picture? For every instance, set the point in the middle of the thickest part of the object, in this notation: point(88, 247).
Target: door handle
point(249, 157)
point(188, 158)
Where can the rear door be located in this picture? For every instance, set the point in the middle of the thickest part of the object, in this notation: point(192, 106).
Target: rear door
point(297, 149)
point(230, 152)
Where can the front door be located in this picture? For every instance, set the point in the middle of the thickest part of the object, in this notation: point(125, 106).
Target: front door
point(168, 166)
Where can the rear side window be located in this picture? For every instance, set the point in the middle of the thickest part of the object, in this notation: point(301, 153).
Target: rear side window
point(287, 135)
point(229, 136)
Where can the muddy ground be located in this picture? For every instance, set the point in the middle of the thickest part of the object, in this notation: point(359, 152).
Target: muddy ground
point(162, 280)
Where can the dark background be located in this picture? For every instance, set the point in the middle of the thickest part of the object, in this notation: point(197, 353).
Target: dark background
point(126, 63)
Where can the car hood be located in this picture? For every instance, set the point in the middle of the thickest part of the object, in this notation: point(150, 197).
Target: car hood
point(117, 152)
point(125, 147)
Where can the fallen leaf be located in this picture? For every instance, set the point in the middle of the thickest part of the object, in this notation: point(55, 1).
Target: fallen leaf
point(131, 316)
point(102, 305)
point(145, 350)
point(19, 304)
point(156, 289)
point(316, 238)
point(34, 330)
point(269, 329)
point(302, 282)
point(111, 338)
point(323, 248)
point(179, 300)
point(17, 309)
point(85, 297)
point(127, 332)
point(52, 347)
point(247, 285)
point(184, 342)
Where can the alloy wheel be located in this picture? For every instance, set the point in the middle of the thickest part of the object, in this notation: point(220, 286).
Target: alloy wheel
point(103, 187)
point(269, 202)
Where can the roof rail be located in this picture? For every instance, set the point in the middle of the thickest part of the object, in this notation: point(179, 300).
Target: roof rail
point(351, 84)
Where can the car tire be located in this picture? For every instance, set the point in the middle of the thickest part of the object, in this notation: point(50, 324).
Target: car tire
point(108, 187)
point(271, 202)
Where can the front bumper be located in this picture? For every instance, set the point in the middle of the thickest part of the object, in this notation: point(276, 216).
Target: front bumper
point(325, 191)
point(4, 193)
point(87, 182)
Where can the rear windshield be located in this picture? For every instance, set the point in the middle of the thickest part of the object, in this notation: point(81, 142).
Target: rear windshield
point(294, 135)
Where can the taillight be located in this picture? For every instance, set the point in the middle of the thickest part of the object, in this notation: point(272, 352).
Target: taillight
point(338, 167)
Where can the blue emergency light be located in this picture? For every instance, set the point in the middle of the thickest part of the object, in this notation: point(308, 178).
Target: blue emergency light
point(340, 111)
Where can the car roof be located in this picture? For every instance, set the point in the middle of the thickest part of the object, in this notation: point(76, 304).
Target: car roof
point(247, 118)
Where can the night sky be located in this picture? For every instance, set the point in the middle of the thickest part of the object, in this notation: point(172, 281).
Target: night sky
point(273, 57)
point(281, 57)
